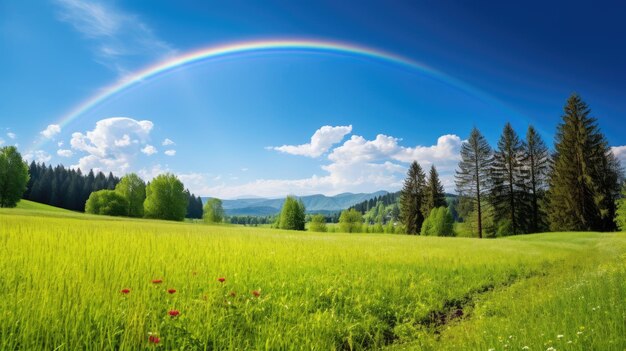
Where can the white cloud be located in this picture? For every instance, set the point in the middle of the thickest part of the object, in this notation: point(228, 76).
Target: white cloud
point(106, 146)
point(65, 153)
point(321, 141)
point(167, 142)
point(51, 131)
point(170, 152)
point(60, 144)
point(38, 156)
point(358, 165)
point(149, 150)
point(11, 135)
point(119, 36)
point(620, 153)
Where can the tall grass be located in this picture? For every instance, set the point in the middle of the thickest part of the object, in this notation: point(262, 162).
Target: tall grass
point(61, 278)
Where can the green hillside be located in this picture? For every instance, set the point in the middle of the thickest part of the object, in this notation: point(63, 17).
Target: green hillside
point(63, 277)
point(35, 206)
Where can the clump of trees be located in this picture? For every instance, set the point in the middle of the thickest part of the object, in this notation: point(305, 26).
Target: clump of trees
point(438, 223)
point(350, 221)
point(165, 198)
point(13, 176)
point(519, 188)
point(318, 223)
point(133, 190)
point(292, 214)
point(213, 211)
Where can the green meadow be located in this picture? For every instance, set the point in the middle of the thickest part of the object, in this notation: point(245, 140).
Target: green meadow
point(62, 275)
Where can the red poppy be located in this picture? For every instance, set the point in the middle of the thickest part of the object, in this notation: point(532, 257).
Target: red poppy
point(232, 293)
point(154, 339)
point(173, 313)
point(157, 281)
point(221, 279)
point(256, 293)
point(125, 291)
point(171, 291)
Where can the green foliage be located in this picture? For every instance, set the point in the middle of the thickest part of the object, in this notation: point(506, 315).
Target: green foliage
point(389, 228)
point(508, 182)
point(412, 199)
point(107, 202)
point(351, 221)
point(165, 198)
point(439, 223)
point(505, 228)
point(537, 162)
point(473, 174)
point(292, 214)
point(434, 195)
point(318, 223)
point(584, 182)
point(213, 211)
point(13, 176)
point(620, 216)
point(133, 189)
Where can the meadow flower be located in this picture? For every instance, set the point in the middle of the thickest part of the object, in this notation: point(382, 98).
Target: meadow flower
point(560, 336)
point(125, 291)
point(173, 313)
point(550, 349)
point(157, 281)
point(525, 348)
point(579, 332)
point(256, 293)
point(221, 279)
point(171, 291)
point(153, 339)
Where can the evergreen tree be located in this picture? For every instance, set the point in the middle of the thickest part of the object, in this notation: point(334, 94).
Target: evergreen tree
point(292, 214)
point(412, 199)
point(508, 188)
point(584, 178)
point(434, 193)
point(472, 177)
point(537, 163)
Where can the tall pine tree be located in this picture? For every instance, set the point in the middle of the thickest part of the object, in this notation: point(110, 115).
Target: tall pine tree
point(472, 177)
point(584, 177)
point(537, 163)
point(508, 193)
point(412, 199)
point(434, 194)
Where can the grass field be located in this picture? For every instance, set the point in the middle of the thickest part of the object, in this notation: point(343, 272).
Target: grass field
point(62, 276)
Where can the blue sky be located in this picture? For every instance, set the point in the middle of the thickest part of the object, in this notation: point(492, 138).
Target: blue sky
point(279, 122)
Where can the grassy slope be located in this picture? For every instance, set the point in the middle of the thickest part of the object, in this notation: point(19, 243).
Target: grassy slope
point(35, 206)
point(61, 277)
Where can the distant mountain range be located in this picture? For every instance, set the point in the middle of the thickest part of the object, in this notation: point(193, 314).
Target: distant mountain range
point(313, 203)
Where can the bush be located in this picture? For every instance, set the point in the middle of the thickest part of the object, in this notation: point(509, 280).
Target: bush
point(318, 223)
point(107, 202)
point(351, 221)
point(439, 223)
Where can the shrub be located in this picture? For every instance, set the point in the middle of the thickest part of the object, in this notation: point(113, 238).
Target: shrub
point(106, 202)
point(318, 223)
point(351, 221)
point(439, 223)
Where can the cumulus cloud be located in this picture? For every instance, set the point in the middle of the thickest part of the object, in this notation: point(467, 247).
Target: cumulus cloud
point(38, 156)
point(149, 150)
point(108, 146)
point(65, 153)
point(170, 152)
point(119, 36)
point(11, 135)
point(51, 131)
point(321, 141)
point(620, 153)
point(167, 142)
point(358, 165)
point(60, 143)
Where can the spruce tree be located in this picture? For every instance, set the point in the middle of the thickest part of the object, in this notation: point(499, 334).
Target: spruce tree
point(434, 194)
point(584, 177)
point(472, 177)
point(412, 199)
point(508, 182)
point(537, 163)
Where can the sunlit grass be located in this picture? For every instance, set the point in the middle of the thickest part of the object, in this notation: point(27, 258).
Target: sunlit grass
point(62, 278)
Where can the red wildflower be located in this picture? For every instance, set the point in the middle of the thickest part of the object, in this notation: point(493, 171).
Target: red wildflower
point(173, 313)
point(256, 293)
point(157, 281)
point(232, 293)
point(171, 291)
point(221, 279)
point(154, 339)
point(125, 291)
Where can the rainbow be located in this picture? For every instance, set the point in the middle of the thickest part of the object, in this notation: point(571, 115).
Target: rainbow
point(218, 51)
